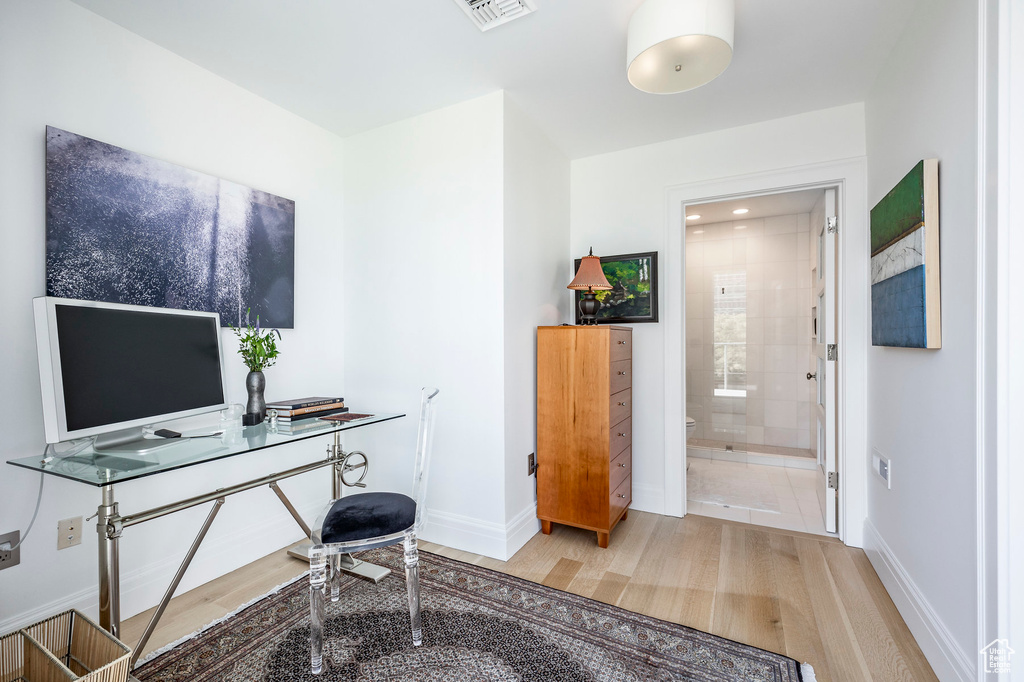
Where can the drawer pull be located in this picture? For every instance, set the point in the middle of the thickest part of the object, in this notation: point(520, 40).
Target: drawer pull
point(623, 464)
point(622, 343)
point(623, 435)
point(623, 404)
point(622, 374)
point(621, 495)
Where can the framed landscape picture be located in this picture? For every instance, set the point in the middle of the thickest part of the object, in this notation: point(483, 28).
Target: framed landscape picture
point(634, 294)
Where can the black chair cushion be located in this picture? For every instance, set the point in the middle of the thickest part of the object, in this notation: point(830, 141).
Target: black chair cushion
point(368, 515)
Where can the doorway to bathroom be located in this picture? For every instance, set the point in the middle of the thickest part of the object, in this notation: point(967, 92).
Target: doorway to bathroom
point(760, 312)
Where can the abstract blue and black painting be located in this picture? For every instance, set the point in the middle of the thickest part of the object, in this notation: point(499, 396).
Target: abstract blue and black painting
point(905, 303)
point(122, 227)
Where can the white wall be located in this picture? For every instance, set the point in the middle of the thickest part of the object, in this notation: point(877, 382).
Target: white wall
point(537, 270)
point(922, 409)
point(64, 66)
point(619, 206)
point(467, 209)
point(423, 286)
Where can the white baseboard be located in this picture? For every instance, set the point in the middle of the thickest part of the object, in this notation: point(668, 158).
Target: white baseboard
point(84, 600)
point(465, 533)
point(144, 586)
point(947, 658)
point(648, 498)
point(520, 529)
point(482, 537)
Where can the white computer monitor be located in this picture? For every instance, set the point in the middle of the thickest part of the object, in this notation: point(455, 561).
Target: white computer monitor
point(107, 369)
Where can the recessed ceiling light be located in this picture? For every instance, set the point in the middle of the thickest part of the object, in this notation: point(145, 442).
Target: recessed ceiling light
point(740, 227)
point(693, 216)
point(741, 211)
point(698, 231)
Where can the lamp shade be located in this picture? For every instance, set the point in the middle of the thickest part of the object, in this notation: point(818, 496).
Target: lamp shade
point(677, 45)
point(590, 276)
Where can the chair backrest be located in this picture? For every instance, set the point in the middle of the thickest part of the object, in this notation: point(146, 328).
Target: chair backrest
point(424, 444)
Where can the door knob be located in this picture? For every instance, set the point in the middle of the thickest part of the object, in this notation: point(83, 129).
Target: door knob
point(812, 376)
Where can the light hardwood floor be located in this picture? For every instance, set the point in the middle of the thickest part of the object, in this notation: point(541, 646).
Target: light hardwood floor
point(806, 596)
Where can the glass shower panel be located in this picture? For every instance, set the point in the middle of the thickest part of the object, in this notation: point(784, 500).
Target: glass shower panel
point(729, 341)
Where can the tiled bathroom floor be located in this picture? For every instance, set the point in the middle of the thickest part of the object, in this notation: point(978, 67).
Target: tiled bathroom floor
point(771, 496)
point(762, 449)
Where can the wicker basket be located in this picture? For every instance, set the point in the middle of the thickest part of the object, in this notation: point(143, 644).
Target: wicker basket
point(67, 646)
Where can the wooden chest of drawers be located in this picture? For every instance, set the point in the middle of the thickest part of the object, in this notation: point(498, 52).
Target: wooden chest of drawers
point(584, 426)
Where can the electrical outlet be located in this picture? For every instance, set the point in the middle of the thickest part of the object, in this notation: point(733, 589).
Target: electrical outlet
point(882, 466)
point(531, 461)
point(8, 557)
point(69, 532)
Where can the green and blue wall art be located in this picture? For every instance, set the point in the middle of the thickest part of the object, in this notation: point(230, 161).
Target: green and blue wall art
point(905, 302)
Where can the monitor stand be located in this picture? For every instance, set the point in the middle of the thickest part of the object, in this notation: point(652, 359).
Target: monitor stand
point(130, 442)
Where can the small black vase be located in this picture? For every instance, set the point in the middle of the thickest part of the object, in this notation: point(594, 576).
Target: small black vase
point(256, 407)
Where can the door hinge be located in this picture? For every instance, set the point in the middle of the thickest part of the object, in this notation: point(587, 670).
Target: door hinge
point(833, 480)
point(832, 224)
point(832, 352)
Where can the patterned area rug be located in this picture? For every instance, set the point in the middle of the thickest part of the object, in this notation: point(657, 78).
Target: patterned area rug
point(477, 625)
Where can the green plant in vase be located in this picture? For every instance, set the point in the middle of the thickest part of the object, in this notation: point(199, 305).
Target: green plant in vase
point(258, 348)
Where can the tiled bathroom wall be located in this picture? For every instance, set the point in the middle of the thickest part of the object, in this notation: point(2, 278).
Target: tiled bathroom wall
point(748, 332)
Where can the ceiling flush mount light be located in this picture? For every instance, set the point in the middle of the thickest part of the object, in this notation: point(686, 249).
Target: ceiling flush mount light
point(741, 211)
point(678, 45)
point(694, 216)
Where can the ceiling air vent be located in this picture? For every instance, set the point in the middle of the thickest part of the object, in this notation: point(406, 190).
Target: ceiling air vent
point(487, 14)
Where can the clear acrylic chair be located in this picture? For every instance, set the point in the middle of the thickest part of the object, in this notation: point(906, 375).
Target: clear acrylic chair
point(354, 523)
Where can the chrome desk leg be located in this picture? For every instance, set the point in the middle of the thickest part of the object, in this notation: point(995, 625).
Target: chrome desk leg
point(291, 508)
point(109, 570)
point(336, 470)
point(162, 606)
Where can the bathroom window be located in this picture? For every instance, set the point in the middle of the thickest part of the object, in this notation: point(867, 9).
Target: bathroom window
point(730, 334)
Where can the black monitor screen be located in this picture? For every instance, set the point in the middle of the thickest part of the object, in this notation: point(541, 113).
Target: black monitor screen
point(123, 365)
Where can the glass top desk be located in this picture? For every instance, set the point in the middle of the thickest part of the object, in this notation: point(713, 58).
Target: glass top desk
point(104, 470)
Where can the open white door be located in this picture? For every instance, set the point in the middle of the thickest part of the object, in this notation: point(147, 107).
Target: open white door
point(826, 355)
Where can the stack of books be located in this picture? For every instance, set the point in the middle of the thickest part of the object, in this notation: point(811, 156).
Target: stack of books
point(298, 414)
